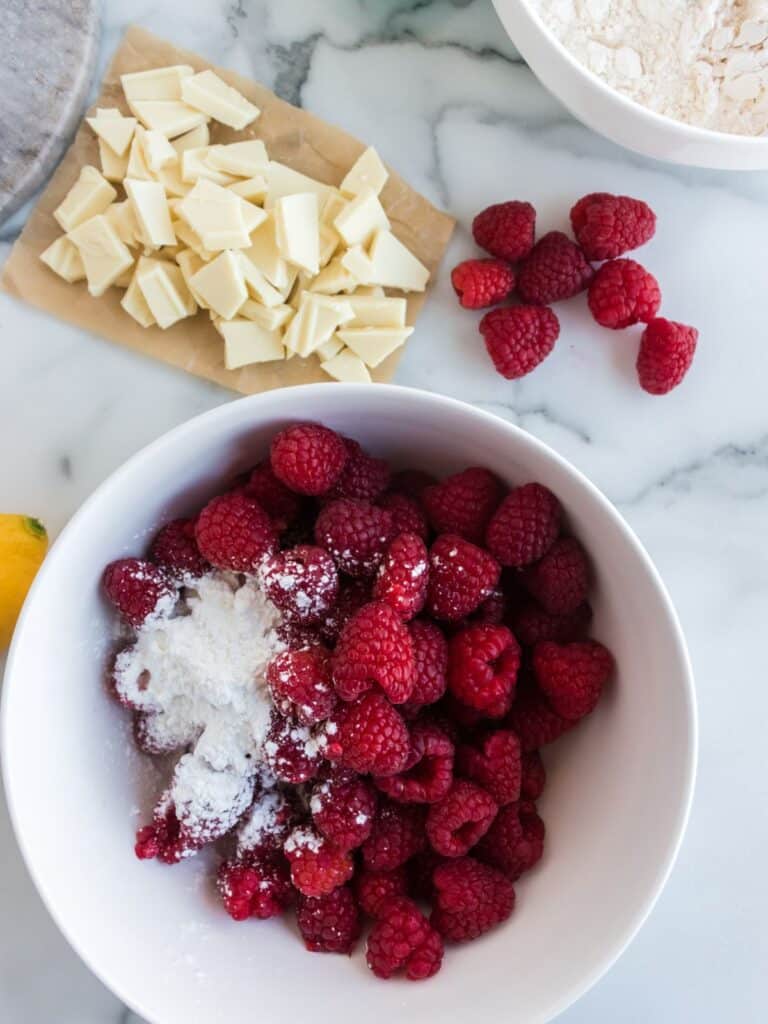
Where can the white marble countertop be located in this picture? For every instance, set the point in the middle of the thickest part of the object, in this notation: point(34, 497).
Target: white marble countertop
point(440, 91)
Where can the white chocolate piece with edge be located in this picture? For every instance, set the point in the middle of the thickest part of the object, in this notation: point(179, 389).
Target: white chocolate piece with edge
point(170, 178)
point(367, 172)
point(374, 344)
point(264, 254)
point(123, 220)
point(360, 218)
point(284, 181)
point(189, 237)
point(194, 166)
point(297, 230)
point(216, 216)
point(158, 151)
point(254, 190)
point(89, 196)
point(125, 279)
point(197, 138)
point(221, 285)
point(348, 367)
point(205, 91)
point(370, 289)
point(104, 256)
point(247, 159)
point(151, 209)
point(333, 279)
point(63, 257)
point(258, 285)
point(137, 165)
point(135, 305)
point(373, 311)
point(113, 167)
point(246, 342)
point(117, 132)
point(393, 265)
point(169, 117)
point(358, 263)
point(155, 84)
point(271, 318)
point(329, 348)
point(165, 292)
point(189, 264)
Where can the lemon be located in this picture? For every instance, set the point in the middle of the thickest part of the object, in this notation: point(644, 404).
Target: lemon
point(23, 544)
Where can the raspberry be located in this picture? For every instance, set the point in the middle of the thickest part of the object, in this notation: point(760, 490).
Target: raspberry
point(430, 653)
point(343, 809)
point(534, 776)
point(302, 582)
point(428, 774)
point(496, 765)
point(621, 293)
point(363, 476)
point(470, 898)
point(374, 649)
point(308, 457)
point(375, 887)
point(407, 514)
point(535, 723)
point(292, 752)
point(532, 625)
point(317, 866)
point(493, 610)
point(666, 353)
point(515, 841)
point(607, 226)
point(555, 269)
point(175, 549)
point(463, 503)
point(329, 924)
point(572, 676)
point(373, 736)
point(461, 576)
point(524, 526)
point(355, 533)
point(456, 822)
point(518, 338)
point(398, 834)
point(267, 824)
point(151, 735)
point(411, 482)
point(234, 532)
point(300, 684)
point(297, 637)
point(258, 885)
point(560, 580)
point(506, 230)
point(136, 588)
point(402, 938)
point(483, 661)
point(281, 504)
point(481, 283)
point(353, 594)
point(420, 870)
point(403, 576)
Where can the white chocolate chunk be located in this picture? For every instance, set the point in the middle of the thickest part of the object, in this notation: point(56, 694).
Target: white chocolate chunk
point(367, 172)
point(194, 166)
point(394, 266)
point(135, 305)
point(329, 243)
point(247, 342)
point(90, 195)
point(265, 255)
point(247, 159)
point(252, 189)
point(123, 220)
point(155, 84)
point(297, 224)
point(372, 311)
point(151, 209)
point(195, 139)
point(221, 285)
point(189, 264)
point(360, 218)
point(374, 344)
point(205, 91)
point(358, 263)
point(169, 117)
point(347, 367)
point(318, 316)
point(125, 279)
point(170, 178)
point(117, 132)
point(113, 167)
point(270, 318)
point(165, 292)
point(63, 257)
point(187, 236)
point(137, 165)
point(252, 215)
point(104, 256)
point(216, 216)
point(257, 284)
point(331, 205)
point(329, 348)
point(284, 181)
point(158, 151)
point(333, 279)
point(370, 289)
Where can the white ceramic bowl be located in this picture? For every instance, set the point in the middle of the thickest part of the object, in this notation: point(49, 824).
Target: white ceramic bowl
point(615, 805)
point(613, 114)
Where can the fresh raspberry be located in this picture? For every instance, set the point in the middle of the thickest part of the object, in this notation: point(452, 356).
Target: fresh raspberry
point(461, 576)
point(234, 532)
point(419, 871)
point(411, 482)
point(258, 885)
point(524, 526)
point(297, 637)
point(374, 649)
point(398, 834)
point(267, 824)
point(515, 841)
point(175, 549)
point(518, 338)
point(292, 752)
point(355, 533)
point(137, 588)
point(430, 652)
point(495, 765)
point(506, 230)
point(555, 269)
point(343, 809)
point(308, 457)
point(572, 676)
point(483, 282)
point(372, 736)
point(560, 580)
point(164, 839)
point(493, 611)
point(317, 866)
point(621, 293)
point(281, 504)
point(666, 353)
point(535, 723)
point(363, 476)
point(402, 938)
point(300, 684)
point(483, 661)
point(407, 514)
point(329, 924)
point(534, 776)
point(463, 503)
point(428, 774)
point(403, 576)
point(607, 226)
point(470, 898)
point(375, 887)
point(531, 624)
point(302, 582)
point(353, 594)
point(456, 822)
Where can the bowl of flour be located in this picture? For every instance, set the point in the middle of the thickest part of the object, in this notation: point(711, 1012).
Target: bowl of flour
point(680, 80)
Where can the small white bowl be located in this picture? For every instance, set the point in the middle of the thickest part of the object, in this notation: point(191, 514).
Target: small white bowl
point(615, 115)
point(615, 805)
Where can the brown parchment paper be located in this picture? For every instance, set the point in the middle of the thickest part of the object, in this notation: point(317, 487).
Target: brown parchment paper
point(293, 137)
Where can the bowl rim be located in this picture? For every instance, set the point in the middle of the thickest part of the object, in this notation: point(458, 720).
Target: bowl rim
point(693, 133)
point(443, 404)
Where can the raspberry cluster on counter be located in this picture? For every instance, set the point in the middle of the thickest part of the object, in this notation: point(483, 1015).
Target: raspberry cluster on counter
point(620, 292)
point(433, 640)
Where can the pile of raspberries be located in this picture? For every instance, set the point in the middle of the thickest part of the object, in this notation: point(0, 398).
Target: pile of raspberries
point(620, 292)
point(436, 639)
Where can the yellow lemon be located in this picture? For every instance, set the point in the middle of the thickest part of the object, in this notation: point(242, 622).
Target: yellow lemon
point(23, 544)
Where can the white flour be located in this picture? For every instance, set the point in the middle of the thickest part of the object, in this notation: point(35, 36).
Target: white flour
point(700, 61)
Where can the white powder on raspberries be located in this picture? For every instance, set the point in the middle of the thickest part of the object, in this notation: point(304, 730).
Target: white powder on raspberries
point(700, 61)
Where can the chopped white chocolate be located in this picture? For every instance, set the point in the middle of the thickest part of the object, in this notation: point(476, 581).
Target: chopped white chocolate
point(257, 284)
point(170, 117)
point(125, 279)
point(243, 159)
point(158, 151)
point(374, 344)
point(253, 215)
point(247, 342)
point(298, 239)
point(63, 257)
point(189, 264)
point(329, 243)
point(331, 205)
point(270, 318)
point(195, 166)
point(358, 263)
point(360, 218)
point(170, 178)
point(221, 285)
point(117, 132)
point(165, 291)
point(367, 172)
point(123, 220)
point(264, 254)
point(329, 348)
point(301, 327)
point(333, 279)
point(90, 195)
point(151, 209)
point(205, 91)
point(189, 237)
point(216, 216)
point(104, 256)
point(318, 316)
point(155, 84)
point(252, 189)
point(195, 139)
point(373, 311)
point(137, 165)
point(347, 367)
point(394, 265)
point(113, 167)
point(370, 289)
point(135, 305)
point(284, 181)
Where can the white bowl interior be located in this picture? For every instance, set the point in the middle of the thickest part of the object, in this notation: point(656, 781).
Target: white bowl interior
point(615, 804)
